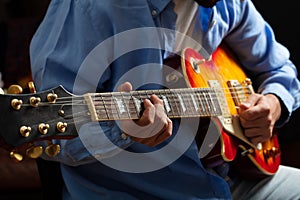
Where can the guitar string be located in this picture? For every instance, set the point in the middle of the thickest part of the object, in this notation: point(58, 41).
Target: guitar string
point(66, 100)
point(80, 99)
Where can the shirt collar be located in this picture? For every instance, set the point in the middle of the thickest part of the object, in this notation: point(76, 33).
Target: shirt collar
point(158, 5)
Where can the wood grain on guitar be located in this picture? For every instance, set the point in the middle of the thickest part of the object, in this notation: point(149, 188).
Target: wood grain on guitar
point(214, 89)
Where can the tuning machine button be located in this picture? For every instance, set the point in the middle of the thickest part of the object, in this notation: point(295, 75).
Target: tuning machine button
point(43, 128)
point(61, 126)
point(16, 104)
point(16, 156)
point(34, 151)
point(15, 89)
point(25, 131)
point(31, 87)
point(51, 97)
point(52, 149)
point(34, 101)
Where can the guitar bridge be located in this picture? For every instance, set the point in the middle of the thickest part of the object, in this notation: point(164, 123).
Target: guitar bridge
point(240, 92)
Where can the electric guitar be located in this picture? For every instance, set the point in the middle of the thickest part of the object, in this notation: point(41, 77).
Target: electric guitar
point(214, 89)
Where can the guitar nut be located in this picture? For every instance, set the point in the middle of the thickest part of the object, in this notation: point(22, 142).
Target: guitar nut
point(172, 77)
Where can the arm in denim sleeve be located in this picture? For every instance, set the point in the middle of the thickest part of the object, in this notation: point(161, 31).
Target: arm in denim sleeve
point(266, 61)
point(95, 142)
point(57, 50)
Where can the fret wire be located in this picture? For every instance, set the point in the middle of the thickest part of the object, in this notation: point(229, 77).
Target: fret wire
point(214, 102)
point(199, 101)
point(126, 103)
point(182, 102)
point(111, 105)
point(185, 102)
point(101, 111)
point(176, 102)
point(133, 104)
point(119, 104)
point(203, 107)
point(207, 103)
point(169, 102)
point(190, 108)
point(182, 107)
point(169, 99)
point(194, 103)
point(166, 100)
point(174, 106)
point(131, 111)
point(106, 115)
point(134, 110)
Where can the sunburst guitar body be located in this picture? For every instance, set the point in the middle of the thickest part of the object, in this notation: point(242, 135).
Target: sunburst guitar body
point(223, 72)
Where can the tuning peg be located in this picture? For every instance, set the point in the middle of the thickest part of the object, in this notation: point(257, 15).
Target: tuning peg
point(43, 128)
point(16, 156)
point(25, 131)
point(52, 149)
point(34, 151)
point(16, 104)
point(34, 101)
point(52, 97)
point(15, 89)
point(61, 126)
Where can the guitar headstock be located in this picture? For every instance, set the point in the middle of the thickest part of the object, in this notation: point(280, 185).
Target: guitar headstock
point(36, 116)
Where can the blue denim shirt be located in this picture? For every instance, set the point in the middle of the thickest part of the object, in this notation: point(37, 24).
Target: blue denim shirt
point(94, 45)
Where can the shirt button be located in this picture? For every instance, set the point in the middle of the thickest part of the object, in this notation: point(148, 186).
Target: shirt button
point(124, 136)
point(154, 12)
point(213, 23)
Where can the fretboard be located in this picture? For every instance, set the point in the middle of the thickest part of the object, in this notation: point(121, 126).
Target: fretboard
point(178, 103)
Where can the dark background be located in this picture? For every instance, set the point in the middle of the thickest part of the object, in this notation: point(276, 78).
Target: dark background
point(283, 17)
point(18, 22)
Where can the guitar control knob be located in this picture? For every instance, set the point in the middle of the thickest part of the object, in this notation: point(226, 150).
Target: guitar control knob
point(25, 131)
point(34, 151)
point(34, 101)
point(43, 128)
point(52, 150)
point(16, 104)
point(52, 97)
point(172, 77)
point(61, 126)
point(16, 156)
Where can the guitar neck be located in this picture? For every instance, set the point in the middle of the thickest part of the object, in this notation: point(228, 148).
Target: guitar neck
point(178, 103)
